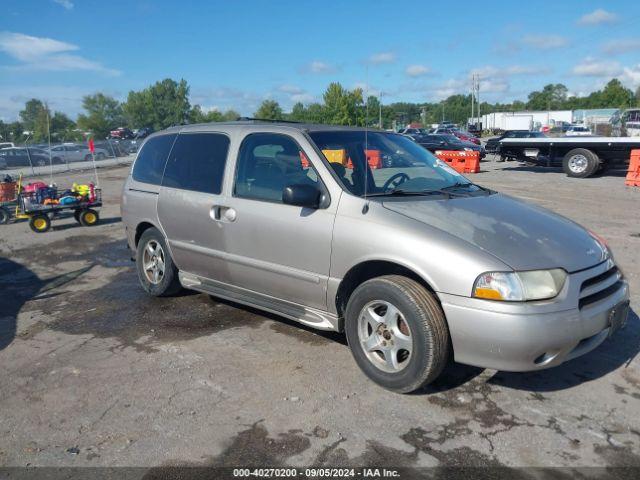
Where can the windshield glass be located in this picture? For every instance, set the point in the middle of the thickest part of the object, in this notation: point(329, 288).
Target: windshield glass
point(393, 163)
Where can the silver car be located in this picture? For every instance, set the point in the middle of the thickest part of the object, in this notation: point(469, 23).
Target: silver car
point(367, 233)
point(75, 153)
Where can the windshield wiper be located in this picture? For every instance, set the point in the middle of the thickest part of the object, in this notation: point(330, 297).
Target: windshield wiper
point(400, 192)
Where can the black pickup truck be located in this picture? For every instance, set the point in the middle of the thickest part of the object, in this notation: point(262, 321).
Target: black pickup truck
point(580, 157)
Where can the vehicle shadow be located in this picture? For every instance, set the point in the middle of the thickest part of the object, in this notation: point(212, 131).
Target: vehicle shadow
point(18, 285)
point(618, 351)
point(607, 172)
point(66, 226)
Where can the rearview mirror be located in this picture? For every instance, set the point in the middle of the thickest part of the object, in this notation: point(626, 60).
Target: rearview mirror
point(305, 196)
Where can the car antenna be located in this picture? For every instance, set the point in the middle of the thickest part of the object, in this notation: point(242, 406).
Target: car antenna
point(365, 208)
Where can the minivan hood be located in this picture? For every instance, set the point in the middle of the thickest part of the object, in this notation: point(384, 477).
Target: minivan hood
point(523, 236)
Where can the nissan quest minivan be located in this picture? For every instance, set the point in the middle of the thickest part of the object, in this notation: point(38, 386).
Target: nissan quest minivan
point(367, 233)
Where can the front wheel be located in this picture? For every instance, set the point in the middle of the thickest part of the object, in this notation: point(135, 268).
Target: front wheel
point(157, 273)
point(88, 217)
point(40, 223)
point(397, 333)
point(4, 216)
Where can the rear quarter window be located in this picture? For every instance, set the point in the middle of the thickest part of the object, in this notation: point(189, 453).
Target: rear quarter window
point(197, 162)
point(152, 158)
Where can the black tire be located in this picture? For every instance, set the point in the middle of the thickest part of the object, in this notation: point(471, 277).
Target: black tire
point(88, 217)
point(100, 156)
point(169, 284)
point(40, 223)
point(580, 163)
point(427, 326)
point(57, 161)
point(4, 216)
point(88, 158)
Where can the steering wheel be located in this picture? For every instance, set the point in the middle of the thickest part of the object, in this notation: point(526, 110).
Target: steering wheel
point(395, 181)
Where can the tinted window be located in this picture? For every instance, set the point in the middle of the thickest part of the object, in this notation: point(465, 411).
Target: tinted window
point(151, 159)
point(267, 163)
point(197, 162)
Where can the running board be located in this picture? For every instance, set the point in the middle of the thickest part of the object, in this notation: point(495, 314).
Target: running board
point(308, 316)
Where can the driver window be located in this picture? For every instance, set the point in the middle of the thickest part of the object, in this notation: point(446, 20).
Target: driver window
point(267, 163)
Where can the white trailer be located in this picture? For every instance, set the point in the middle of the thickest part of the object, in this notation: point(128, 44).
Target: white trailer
point(517, 122)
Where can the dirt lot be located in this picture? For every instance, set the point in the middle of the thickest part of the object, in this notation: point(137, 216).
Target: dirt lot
point(93, 372)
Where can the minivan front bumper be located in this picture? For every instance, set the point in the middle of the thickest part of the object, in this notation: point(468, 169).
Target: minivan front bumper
point(529, 336)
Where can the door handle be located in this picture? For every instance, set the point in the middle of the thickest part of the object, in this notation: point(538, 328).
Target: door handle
point(221, 213)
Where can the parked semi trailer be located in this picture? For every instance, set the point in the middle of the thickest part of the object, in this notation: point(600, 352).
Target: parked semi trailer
point(580, 157)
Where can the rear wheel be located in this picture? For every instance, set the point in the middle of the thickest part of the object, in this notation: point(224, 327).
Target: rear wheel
point(40, 223)
point(157, 273)
point(397, 333)
point(88, 217)
point(4, 216)
point(580, 163)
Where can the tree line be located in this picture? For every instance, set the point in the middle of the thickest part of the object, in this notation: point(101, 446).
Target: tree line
point(166, 103)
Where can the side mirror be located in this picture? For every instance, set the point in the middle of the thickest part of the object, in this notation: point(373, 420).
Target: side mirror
point(305, 196)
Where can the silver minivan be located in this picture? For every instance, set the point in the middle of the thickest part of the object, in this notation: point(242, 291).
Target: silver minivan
point(367, 233)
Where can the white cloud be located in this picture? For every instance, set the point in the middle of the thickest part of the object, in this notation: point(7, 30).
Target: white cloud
point(41, 53)
point(598, 17)
point(545, 42)
point(382, 57)
point(67, 4)
point(319, 67)
point(417, 70)
point(590, 67)
point(302, 98)
point(623, 45)
point(66, 99)
point(291, 89)
point(631, 75)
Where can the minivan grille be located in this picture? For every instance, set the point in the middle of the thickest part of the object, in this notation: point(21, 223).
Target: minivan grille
point(600, 287)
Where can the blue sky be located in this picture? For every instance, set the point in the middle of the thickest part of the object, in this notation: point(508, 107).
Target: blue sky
point(234, 54)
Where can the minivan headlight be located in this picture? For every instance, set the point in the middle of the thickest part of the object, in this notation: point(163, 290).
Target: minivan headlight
point(520, 286)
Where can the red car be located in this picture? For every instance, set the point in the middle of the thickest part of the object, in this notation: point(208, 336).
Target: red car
point(465, 137)
point(121, 133)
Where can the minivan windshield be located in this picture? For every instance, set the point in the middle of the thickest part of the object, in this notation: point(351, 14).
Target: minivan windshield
point(387, 163)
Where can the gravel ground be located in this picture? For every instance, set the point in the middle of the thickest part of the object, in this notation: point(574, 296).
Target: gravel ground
point(95, 373)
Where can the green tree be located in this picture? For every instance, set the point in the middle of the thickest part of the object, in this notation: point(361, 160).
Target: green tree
point(614, 94)
point(638, 97)
point(553, 96)
point(298, 113)
point(161, 105)
point(63, 128)
point(35, 118)
point(103, 114)
point(230, 116)
point(269, 110)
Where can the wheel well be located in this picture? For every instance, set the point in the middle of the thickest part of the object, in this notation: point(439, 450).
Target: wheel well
point(366, 271)
point(140, 229)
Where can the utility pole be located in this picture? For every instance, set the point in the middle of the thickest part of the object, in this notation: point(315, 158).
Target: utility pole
point(380, 111)
point(473, 95)
point(478, 95)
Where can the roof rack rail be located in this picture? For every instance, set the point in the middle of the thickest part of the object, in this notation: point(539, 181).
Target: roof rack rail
point(250, 119)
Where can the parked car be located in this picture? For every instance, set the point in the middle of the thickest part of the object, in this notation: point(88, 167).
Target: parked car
point(415, 264)
point(143, 132)
point(76, 153)
point(24, 157)
point(578, 131)
point(492, 143)
point(436, 142)
point(466, 137)
point(412, 131)
point(121, 133)
point(6, 145)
